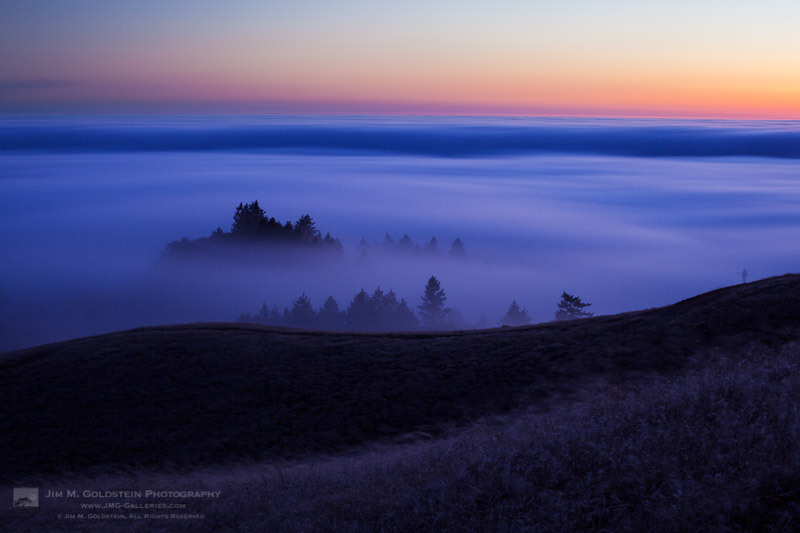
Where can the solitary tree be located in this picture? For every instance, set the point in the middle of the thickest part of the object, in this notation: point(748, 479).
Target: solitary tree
point(571, 307)
point(432, 310)
point(516, 316)
point(405, 242)
point(275, 316)
point(457, 249)
point(432, 246)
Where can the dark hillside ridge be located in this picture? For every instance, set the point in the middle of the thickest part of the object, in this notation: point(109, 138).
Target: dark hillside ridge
point(201, 394)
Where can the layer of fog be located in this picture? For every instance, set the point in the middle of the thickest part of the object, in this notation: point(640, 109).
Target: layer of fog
point(82, 232)
point(440, 137)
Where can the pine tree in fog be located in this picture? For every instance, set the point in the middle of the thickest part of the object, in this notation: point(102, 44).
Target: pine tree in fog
point(515, 316)
point(247, 218)
point(391, 314)
point(361, 313)
point(332, 242)
point(404, 317)
point(457, 249)
point(329, 316)
point(432, 247)
point(262, 316)
point(571, 307)
point(306, 230)
point(302, 313)
point(405, 243)
point(432, 309)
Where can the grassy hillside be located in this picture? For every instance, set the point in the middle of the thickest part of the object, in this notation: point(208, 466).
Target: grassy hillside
point(210, 393)
point(714, 449)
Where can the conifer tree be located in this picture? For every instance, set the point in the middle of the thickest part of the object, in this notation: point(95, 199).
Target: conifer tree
point(457, 249)
point(302, 313)
point(571, 307)
point(432, 309)
point(404, 318)
point(405, 242)
point(305, 229)
point(329, 316)
point(361, 313)
point(432, 247)
point(516, 316)
point(247, 218)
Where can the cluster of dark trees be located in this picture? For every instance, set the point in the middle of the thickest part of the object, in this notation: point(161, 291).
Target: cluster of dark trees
point(251, 225)
point(570, 307)
point(405, 244)
point(381, 311)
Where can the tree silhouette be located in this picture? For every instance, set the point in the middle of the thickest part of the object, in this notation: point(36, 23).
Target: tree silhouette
point(432, 309)
point(404, 317)
point(263, 314)
point(361, 313)
point(432, 246)
point(457, 249)
point(571, 307)
point(302, 313)
point(329, 316)
point(247, 218)
point(515, 316)
point(251, 225)
point(405, 243)
point(332, 242)
point(275, 316)
point(385, 305)
point(305, 229)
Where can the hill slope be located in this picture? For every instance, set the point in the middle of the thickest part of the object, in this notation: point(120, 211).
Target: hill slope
point(208, 393)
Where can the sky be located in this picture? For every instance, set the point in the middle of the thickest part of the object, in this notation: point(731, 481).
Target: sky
point(702, 58)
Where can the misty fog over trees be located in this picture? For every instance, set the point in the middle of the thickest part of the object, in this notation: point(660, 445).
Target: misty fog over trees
point(252, 226)
point(379, 311)
point(253, 229)
point(405, 244)
point(382, 311)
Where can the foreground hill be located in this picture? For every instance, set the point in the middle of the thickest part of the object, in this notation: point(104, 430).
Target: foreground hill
point(211, 393)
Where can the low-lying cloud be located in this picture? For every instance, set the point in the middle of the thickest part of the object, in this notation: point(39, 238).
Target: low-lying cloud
point(435, 139)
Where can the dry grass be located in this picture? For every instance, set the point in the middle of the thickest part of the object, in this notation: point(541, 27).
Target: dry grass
point(717, 449)
point(213, 393)
point(626, 422)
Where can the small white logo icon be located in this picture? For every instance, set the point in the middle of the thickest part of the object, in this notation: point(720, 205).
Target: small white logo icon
point(26, 497)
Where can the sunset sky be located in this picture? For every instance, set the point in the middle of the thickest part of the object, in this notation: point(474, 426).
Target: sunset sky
point(705, 58)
